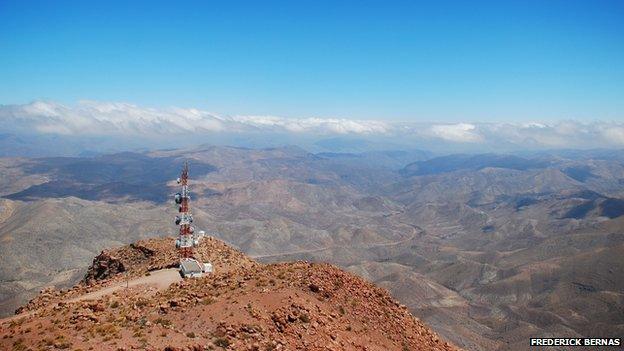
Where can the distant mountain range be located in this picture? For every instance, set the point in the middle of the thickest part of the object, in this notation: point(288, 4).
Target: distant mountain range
point(487, 249)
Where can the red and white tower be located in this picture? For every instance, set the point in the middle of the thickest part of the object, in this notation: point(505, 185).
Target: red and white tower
point(186, 240)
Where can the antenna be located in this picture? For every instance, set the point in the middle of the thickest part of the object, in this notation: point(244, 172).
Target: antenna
point(184, 219)
point(187, 240)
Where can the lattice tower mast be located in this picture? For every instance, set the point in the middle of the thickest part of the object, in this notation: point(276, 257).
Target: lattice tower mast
point(185, 241)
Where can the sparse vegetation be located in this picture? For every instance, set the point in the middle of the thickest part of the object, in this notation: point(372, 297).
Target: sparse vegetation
point(162, 321)
point(222, 342)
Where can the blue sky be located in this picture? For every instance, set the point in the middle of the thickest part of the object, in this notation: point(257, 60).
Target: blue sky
point(440, 61)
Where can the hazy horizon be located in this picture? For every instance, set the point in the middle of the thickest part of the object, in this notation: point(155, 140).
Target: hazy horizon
point(53, 129)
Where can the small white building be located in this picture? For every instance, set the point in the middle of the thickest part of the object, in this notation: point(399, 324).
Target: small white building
point(191, 268)
point(207, 267)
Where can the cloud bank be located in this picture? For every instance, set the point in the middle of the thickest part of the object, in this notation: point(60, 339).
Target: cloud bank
point(460, 132)
point(91, 118)
point(105, 118)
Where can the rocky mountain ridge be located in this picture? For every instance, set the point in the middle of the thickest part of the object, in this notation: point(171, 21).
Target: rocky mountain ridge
point(243, 305)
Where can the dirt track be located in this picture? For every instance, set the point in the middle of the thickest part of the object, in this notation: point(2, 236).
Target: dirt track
point(160, 280)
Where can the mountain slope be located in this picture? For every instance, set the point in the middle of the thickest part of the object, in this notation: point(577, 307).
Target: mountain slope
point(463, 246)
point(243, 305)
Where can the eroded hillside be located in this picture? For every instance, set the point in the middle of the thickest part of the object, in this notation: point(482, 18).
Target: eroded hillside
point(486, 249)
point(243, 305)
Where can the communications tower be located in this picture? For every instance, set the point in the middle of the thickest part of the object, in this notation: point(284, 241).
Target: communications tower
point(187, 240)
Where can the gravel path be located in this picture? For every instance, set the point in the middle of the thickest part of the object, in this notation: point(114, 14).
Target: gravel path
point(161, 280)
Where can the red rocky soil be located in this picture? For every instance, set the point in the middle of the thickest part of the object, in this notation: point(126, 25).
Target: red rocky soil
point(243, 305)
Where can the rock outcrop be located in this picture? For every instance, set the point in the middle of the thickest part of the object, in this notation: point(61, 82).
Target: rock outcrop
point(103, 267)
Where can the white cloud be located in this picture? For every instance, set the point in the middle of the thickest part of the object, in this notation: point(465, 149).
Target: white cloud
point(316, 125)
point(90, 118)
point(104, 118)
point(614, 134)
point(533, 125)
point(42, 108)
point(461, 132)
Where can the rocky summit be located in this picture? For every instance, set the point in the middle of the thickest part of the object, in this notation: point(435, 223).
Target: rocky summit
point(132, 297)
